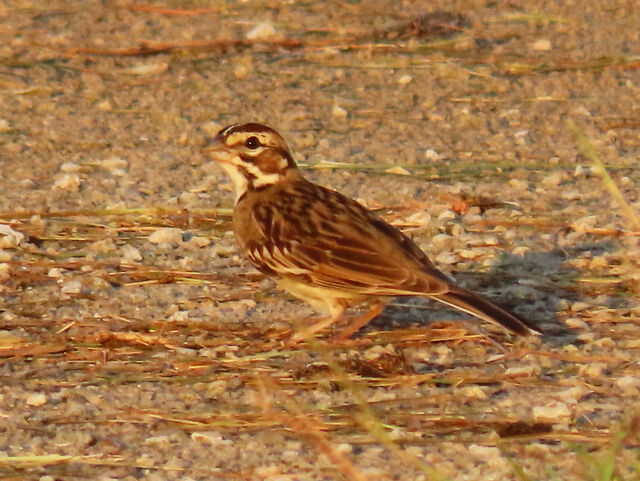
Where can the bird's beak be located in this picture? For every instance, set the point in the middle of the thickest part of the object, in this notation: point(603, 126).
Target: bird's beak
point(217, 150)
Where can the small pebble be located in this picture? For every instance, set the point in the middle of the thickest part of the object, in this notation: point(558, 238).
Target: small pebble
point(9, 238)
point(575, 323)
point(103, 246)
point(69, 182)
point(630, 385)
point(431, 154)
point(5, 272)
point(146, 69)
point(212, 438)
point(571, 195)
point(105, 105)
point(130, 253)
point(519, 184)
point(580, 306)
point(263, 31)
point(168, 235)
point(55, 272)
point(338, 112)
point(71, 287)
point(36, 399)
point(542, 45)
point(553, 411)
point(398, 171)
point(115, 165)
point(70, 167)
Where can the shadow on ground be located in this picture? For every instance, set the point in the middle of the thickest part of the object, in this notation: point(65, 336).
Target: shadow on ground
point(535, 286)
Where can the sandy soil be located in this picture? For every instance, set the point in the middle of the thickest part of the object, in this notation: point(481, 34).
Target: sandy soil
point(137, 343)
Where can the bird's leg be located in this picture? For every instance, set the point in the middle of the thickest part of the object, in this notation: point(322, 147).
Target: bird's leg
point(307, 332)
point(374, 311)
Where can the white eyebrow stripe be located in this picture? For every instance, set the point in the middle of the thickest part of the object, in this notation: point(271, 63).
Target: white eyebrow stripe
point(264, 138)
point(224, 132)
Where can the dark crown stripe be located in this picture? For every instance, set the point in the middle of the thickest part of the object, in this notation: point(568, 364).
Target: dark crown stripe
point(246, 128)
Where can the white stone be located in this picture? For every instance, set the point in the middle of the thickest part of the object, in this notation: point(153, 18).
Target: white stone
point(130, 253)
point(262, 31)
point(69, 181)
point(36, 399)
point(542, 45)
point(552, 411)
point(9, 238)
point(71, 287)
point(70, 167)
point(115, 165)
point(338, 112)
point(169, 235)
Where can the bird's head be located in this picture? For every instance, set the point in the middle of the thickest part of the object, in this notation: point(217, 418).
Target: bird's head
point(255, 156)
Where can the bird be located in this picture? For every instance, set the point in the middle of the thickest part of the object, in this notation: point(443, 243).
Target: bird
point(324, 247)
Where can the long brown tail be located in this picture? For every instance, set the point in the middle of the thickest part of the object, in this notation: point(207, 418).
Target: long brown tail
point(484, 309)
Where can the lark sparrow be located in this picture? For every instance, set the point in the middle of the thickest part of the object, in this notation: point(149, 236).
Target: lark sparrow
point(323, 247)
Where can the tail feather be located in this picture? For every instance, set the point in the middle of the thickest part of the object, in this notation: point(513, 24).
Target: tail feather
point(484, 309)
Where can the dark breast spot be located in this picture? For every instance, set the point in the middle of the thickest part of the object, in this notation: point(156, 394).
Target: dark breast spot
point(264, 215)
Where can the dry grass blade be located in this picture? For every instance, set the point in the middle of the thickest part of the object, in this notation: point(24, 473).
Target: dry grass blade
point(365, 417)
point(148, 8)
point(155, 48)
point(24, 462)
point(309, 427)
point(32, 350)
point(598, 166)
point(143, 211)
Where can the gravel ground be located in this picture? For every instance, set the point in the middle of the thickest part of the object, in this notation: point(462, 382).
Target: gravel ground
point(137, 343)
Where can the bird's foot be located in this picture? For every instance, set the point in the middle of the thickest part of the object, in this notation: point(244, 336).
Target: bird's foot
point(306, 332)
point(374, 311)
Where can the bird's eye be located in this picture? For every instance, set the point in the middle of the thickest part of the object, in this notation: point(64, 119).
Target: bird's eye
point(252, 143)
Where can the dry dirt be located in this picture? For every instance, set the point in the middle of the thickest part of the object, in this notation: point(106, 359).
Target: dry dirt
point(137, 343)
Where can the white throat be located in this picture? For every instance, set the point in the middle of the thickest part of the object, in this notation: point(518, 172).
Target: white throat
point(240, 182)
